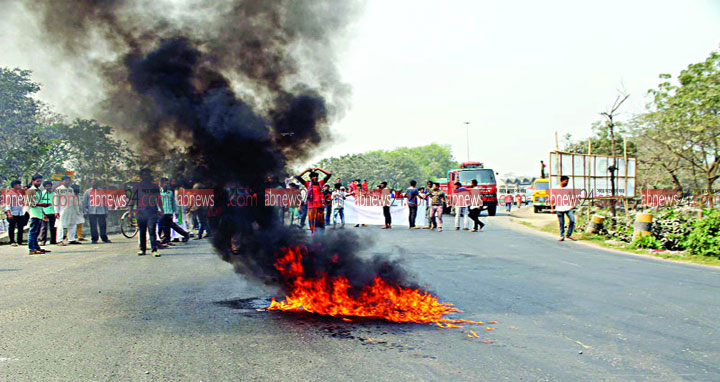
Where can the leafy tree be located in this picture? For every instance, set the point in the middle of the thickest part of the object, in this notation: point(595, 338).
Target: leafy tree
point(396, 167)
point(94, 153)
point(29, 138)
point(684, 118)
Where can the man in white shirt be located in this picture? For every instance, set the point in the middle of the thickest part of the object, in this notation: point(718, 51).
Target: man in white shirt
point(338, 204)
point(563, 209)
point(68, 207)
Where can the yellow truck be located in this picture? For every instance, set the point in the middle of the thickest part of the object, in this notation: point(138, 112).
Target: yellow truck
point(540, 195)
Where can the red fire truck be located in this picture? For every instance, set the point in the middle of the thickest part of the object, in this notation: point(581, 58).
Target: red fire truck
point(485, 178)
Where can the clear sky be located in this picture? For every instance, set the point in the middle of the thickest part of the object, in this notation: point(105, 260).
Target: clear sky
point(516, 70)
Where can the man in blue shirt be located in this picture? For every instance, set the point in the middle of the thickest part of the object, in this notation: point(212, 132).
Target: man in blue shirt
point(146, 198)
point(412, 200)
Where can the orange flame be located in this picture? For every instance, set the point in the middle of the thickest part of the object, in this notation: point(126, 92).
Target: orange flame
point(329, 296)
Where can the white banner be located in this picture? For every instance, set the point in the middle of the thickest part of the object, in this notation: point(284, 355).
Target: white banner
point(355, 214)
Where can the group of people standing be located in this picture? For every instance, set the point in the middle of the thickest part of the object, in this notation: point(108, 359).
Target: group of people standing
point(434, 201)
point(321, 203)
point(53, 214)
point(56, 215)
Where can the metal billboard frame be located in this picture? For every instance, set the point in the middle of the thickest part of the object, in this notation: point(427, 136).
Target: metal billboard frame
point(593, 171)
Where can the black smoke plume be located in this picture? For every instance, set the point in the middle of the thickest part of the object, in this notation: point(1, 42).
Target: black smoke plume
point(239, 88)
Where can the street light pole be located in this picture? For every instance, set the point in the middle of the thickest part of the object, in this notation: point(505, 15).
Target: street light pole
point(467, 139)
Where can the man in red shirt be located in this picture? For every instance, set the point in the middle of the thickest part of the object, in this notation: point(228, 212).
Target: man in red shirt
point(353, 185)
point(508, 202)
point(315, 197)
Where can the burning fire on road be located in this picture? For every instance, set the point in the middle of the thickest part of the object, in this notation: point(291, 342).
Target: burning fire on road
point(334, 296)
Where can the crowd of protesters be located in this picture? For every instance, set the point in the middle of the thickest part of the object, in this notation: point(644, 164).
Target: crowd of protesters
point(164, 222)
point(51, 222)
point(323, 205)
point(56, 215)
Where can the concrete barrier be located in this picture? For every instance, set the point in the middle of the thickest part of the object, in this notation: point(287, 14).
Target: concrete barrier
point(596, 224)
point(643, 225)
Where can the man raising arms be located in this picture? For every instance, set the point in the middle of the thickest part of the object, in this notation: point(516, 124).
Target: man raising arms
point(315, 197)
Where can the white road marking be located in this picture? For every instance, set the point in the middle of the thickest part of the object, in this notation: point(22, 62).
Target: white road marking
point(567, 262)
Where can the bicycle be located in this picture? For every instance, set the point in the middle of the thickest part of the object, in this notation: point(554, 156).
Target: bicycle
point(128, 223)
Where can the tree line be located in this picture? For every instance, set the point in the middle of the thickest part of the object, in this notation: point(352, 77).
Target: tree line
point(396, 166)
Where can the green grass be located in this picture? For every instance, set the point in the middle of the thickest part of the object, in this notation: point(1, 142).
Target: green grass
point(549, 227)
point(683, 256)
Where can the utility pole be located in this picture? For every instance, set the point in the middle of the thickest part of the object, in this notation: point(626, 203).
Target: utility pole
point(467, 139)
point(613, 167)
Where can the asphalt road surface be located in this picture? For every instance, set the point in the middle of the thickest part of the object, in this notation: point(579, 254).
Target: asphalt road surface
point(565, 311)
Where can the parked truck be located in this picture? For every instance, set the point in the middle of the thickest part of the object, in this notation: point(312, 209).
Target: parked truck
point(486, 183)
point(540, 195)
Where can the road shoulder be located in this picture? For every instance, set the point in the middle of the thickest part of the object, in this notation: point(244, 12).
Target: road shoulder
point(545, 224)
